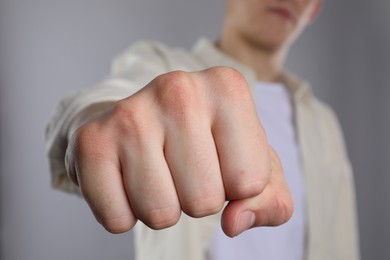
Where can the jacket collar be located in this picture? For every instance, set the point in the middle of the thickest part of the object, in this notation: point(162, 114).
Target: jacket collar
point(208, 53)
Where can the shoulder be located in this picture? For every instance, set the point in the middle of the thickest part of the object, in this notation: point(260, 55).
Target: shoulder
point(156, 56)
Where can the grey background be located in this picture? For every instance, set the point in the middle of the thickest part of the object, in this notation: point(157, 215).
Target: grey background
point(50, 48)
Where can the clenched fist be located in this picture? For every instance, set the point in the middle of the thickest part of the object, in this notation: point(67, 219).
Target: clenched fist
point(185, 142)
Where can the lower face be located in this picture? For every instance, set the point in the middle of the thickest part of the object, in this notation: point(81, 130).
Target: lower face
point(270, 23)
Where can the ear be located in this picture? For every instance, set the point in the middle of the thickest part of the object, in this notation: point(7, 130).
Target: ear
point(317, 6)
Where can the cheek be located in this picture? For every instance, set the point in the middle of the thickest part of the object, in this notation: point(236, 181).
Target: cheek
point(251, 17)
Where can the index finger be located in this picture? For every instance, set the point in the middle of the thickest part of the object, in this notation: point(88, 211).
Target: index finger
point(240, 138)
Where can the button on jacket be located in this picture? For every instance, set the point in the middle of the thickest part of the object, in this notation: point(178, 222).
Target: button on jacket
point(330, 197)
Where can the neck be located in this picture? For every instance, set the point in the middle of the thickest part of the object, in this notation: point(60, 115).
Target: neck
point(266, 62)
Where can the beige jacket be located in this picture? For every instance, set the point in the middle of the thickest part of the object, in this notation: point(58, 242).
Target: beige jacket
point(330, 197)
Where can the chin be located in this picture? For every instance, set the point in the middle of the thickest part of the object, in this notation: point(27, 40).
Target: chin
point(270, 43)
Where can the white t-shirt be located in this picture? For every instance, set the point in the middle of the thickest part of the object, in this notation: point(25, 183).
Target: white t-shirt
point(286, 241)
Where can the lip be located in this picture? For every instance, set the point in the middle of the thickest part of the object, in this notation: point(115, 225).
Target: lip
point(282, 12)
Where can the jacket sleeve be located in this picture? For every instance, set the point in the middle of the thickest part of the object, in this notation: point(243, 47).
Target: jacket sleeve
point(130, 72)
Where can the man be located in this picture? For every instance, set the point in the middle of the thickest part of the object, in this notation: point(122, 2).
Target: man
point(171, 131)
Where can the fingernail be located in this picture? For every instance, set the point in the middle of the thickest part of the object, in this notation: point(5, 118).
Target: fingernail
point(245, 221)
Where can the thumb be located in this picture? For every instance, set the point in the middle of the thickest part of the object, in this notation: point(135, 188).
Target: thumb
point(273, 207)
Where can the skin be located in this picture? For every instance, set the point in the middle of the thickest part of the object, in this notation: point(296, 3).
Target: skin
point(189, 141)
point(259, 33)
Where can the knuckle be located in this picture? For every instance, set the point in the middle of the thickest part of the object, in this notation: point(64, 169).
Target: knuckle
point(131, 120)
point(175, 91)
point(92, 144)
point(161, 218)
point(174, 78)
point(244, 190)
point(94, 147)
point(286, 206)
point(283, 208)
point(227, 73)
point(244, 187)
point(85, 141)
point(117, 225)
point(205, 206)
point(285, 213)
point(231, 83)
point(127, 115)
